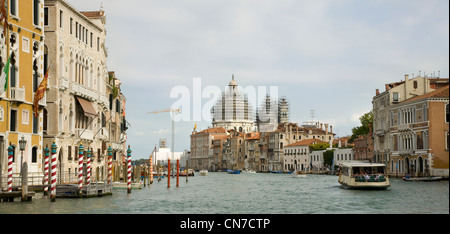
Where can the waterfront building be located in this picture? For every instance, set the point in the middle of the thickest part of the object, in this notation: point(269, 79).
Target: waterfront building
point(419, 135)
point(23, 46)
point(85, 103)
point(395, 93)
point(341, 155)
point(288, 133)
point(218, 162)
point(202, 146)
point(252, 150)
point(297, 155)
point(233, 110)
point(363, 146)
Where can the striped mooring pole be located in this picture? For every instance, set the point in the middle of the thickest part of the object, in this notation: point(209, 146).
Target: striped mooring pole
point(53, 173)
point(151, 169)
point(46, 162)
point(129, 169)
point(10, 167)
point(109, 164)
point(80, 168)
point(88, 168)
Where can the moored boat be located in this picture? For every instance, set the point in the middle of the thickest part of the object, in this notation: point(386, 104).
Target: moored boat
point(203, 172)
point(363, 175)
point(425, 179)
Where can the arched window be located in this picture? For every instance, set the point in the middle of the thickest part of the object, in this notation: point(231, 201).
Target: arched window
point(34, 155)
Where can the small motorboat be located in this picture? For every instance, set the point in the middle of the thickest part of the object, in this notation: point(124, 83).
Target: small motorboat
point(203, 172)
point(233, 171)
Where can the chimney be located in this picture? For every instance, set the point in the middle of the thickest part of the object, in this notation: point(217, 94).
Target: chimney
point(326, 128)
point(387, 87)
point(321, 126)
point(406, 77)
point(377, 92)
point(331, 128)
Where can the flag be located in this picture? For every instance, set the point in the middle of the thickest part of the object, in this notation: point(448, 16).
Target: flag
point(39, 94)
point(4, 14)
point(4, 77)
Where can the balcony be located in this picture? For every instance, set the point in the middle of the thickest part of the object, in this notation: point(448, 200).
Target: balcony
point(85, 134)
point(17, 94)
point(83, 91)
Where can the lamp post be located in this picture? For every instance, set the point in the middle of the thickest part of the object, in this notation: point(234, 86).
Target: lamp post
point(23, 170)
point(22, 145)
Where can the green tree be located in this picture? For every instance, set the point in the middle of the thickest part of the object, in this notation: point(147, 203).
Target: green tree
point(328, 157)
point(366, 122)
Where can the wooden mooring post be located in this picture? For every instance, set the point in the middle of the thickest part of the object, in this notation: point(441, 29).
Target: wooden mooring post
point(168, 173)
point(178, 172)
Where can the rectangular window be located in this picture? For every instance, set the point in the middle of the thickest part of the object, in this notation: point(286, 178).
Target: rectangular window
point(76, 29)
point(13, 121)
point(447, 141)
point(71, 22)
point(91, 38)
point(13, 7)
point(36, 12)
point(395, 97)
point(46, 16)
point(35, 124)
point(98, 43)
point(25, 44)
point(25, 117)
point(447, 113)
point(69, 152)
point(61, 18)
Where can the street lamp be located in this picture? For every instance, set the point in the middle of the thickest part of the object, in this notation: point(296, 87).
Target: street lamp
point(22, 144)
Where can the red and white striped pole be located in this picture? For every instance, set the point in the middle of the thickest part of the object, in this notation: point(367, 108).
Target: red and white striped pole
point(10, 167)
point(88, 168)
point(80, 169)
point(129, 169)
point(151, 169)
point(109, 164)
point(53, 173)
point(46, 169)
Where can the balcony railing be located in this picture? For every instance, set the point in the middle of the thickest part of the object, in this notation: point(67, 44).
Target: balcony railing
point(85, 134)
point(17, 94)
point(83, 91)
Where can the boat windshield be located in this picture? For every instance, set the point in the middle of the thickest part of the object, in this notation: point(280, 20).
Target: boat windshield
point(368, 174)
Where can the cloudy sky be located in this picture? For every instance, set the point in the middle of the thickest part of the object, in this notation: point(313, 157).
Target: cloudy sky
point(329, 56)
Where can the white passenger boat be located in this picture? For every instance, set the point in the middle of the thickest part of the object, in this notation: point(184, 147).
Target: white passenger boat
point(363, 175)
point(203, 172)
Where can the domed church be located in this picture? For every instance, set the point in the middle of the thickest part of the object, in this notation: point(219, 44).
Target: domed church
point(233, 111)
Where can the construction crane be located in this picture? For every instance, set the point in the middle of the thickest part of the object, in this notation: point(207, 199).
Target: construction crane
point(174, 111)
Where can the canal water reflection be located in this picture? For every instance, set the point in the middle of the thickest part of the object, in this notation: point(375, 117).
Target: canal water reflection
point(260, 193)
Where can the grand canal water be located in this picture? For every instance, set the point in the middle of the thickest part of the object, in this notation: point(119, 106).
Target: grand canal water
point(221, 193)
